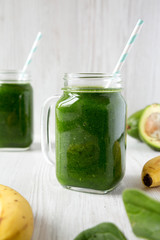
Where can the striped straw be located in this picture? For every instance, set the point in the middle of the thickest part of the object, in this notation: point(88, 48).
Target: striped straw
point(127, 48)
point(30, 56)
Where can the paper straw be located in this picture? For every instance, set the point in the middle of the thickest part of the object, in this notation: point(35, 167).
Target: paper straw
point(128, 46)
point(33, 49)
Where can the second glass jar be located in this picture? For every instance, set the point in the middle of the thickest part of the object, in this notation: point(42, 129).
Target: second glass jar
point(90, 133)
point(16, 110)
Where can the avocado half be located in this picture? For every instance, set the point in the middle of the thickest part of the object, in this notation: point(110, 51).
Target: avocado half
point(149, 126)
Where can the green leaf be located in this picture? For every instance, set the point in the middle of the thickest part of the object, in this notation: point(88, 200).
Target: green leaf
point(103, 236)
point(143, 213)
point(103, 231)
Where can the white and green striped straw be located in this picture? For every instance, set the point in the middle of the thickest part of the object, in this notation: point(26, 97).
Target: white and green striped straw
point(128, 46)
point(30, 56)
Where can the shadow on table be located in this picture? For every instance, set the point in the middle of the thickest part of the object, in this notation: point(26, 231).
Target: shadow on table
point(36, 146)
point(44, 229)
point(128, 181)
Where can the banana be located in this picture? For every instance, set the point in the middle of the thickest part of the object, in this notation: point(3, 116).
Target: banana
point(16, 217)
point(151, 172)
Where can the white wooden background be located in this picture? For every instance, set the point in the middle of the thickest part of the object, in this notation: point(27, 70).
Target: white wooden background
point(82, 36)
point(78, 36)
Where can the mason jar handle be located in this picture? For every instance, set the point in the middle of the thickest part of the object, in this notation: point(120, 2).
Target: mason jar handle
point(47, 151)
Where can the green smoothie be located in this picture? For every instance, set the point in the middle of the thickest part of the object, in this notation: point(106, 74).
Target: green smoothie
point(90, 139)
point(16, 115)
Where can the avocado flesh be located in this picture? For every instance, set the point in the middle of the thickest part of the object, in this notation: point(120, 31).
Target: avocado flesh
point(132, 124)
point(149, 126)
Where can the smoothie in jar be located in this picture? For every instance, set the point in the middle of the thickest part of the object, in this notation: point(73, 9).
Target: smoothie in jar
point(90, 137)
point(16, 111)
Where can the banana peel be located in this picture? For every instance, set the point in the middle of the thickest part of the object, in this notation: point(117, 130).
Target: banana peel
point(151, 173)
point(16, 217)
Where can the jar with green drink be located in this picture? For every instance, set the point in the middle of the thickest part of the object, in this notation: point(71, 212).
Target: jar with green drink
point(90, 132)
point(16, 110)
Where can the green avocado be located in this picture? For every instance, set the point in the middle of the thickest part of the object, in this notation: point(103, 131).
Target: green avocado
point(149, 126)
point(132, 124)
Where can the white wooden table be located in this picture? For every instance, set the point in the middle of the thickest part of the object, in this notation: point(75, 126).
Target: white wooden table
point(62, 214)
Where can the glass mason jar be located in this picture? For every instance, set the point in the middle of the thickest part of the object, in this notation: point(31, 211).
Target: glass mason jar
point(16, 110)
point(90, 132)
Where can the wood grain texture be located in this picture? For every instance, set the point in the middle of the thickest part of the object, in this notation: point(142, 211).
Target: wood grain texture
point(61, 214)
point(82, 36)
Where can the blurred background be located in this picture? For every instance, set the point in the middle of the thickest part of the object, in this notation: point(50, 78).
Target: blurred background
point(82, 36)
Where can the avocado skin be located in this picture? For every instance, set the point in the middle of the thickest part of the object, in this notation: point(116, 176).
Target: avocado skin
point(151, 146)
point(146, 140)
point(132, 124)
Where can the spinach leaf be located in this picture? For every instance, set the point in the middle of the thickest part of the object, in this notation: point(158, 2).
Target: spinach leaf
point(103, 231)
point(143, 213)
point(103, 236)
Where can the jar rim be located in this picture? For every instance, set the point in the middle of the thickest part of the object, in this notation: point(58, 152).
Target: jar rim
point(91, 75)
point(14, 76)
point(92, 80)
